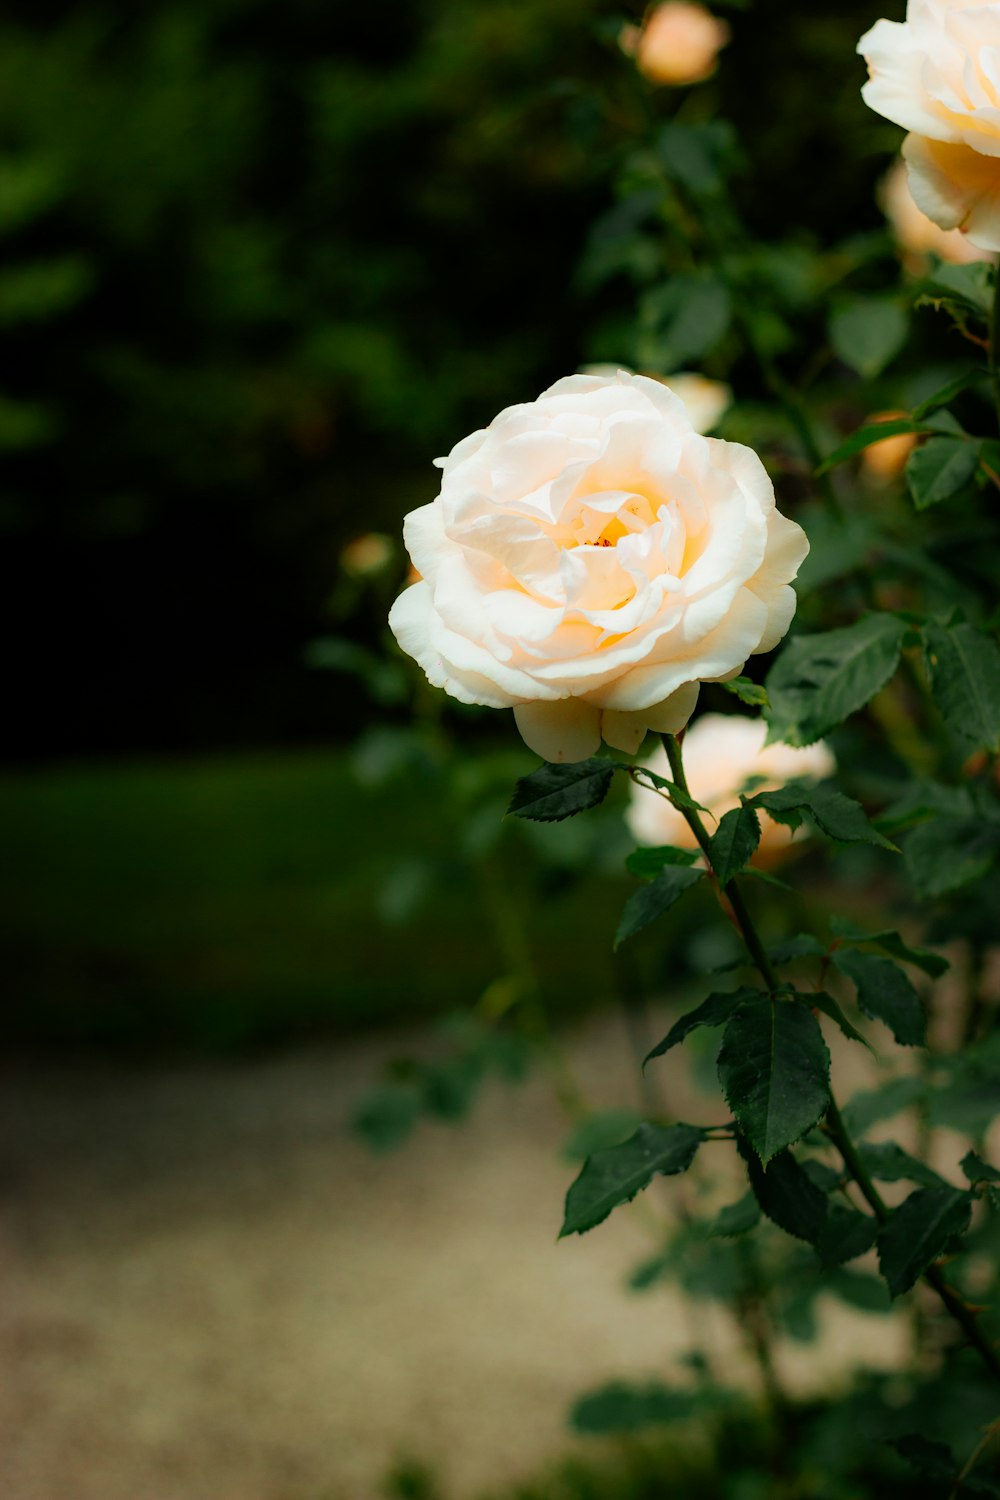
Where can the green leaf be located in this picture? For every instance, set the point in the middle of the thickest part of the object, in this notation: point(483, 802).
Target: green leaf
point(820, 680)
point(828, 1005)
point(867, 1107)
point(746, 690)
point(615, 1175)
point(885, 994)
point(715, 1011)
point(977, 1170)
point(939, 469)
point(964, 669)
point(920, 1230)
point(648, 903)
point(774, 1069)
point(43, 289)
point(946, 394)
point(607, 1128)
point(620, 1407)
point(387, 1116)
point(554, 792)
point(786, 1194)
point(890, 1163)
point(734, 842)
point(931, 963)
point(683, 319)
point(697, 155)
point(661, 784)
point(845, 1234)
point(767, 878)
point(948, 852)
point(870, 434)
point(802, 945)
point(837, 816)
point(736, 1218)
point(970, 286)
point(645, 863)
point(867, 333)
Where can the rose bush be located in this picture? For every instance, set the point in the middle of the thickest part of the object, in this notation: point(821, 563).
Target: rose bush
point(590, 560)
point(724, 752)
point(938, 75)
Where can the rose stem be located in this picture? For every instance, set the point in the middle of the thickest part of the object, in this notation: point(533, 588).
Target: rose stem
point(834, 1121)
point(995, 341)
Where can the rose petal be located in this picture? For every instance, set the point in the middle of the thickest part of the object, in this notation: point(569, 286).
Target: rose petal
point(566, 730)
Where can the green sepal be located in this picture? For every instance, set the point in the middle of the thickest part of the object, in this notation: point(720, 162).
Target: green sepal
point(615, 1175)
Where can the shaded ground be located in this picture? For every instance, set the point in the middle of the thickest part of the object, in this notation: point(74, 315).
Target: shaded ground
point(214, 1293)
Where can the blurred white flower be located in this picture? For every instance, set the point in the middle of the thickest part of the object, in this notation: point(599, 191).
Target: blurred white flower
point(722, 752)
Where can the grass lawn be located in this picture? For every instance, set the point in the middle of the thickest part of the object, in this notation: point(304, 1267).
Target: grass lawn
point(225, 902)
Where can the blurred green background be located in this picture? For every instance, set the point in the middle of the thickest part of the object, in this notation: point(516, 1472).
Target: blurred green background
point(259, 264)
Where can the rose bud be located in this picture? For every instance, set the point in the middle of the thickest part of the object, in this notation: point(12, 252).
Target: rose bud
point(886, 460)
point(679, 43)
point(590, 560)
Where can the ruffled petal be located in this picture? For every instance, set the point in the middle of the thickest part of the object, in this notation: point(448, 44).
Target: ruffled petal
point(956, 187)
point(566, 730)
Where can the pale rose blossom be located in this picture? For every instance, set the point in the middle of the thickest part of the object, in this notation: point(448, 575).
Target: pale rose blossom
point(919, 236)
point(590, 560)
point(367, 555)
point(937, 74)
point(679, 43)
point(721, 754)
point(887, 459)
point(706, 400)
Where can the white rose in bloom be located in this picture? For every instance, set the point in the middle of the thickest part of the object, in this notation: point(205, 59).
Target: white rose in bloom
point(590, 560)
point(721, 753)
point(706, 400)
point(938, 75)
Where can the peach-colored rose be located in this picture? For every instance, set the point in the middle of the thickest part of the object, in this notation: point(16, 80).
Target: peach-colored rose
point(367, 555)
point(918, 235)
point(938, 75)
point(590, 560)
point(721, 753)
point(679, 43)
point(886, 460)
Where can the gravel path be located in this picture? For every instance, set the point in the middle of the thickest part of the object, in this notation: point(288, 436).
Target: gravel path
point(213, 1292)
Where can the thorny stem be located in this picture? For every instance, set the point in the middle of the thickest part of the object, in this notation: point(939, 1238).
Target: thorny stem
point(995, 343)
point(834, 1121)
point(992, 1431)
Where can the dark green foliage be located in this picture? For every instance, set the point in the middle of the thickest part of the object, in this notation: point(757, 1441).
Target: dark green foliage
point(554, 792)
point(746, 690)
point(845, 1235)
point(828, 1005)
point(820, 680)
point(774, 1070)
point(948, 852)
point(885, 994)
point(715, 1011)
point(619, 1407)
point(734, 842)
point(934, 964)
point(977, 1170)
point(615, 1175)
point(787, 1195)
point(940, 469)
point(872, 433)
point(652, 900)
point(737, 1218)
point(681, 320)
point(868, 332)
point(888, 1162)
point(608, 1128)
point(964, 668)
point(645, 863)
point(920, 1230)
point(837, 816)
